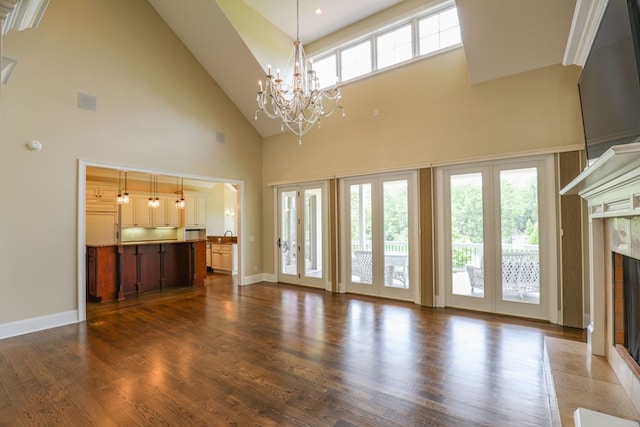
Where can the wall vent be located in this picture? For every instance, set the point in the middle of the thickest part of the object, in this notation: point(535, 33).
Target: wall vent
point(87, 102)
point(221, 138)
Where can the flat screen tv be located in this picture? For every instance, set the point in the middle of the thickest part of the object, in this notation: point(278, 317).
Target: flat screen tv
point(609, 85)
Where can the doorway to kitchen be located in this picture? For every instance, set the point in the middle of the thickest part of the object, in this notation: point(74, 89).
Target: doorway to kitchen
point(157, 182)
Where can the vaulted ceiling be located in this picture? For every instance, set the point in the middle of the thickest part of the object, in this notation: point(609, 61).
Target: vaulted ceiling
point(234, 40)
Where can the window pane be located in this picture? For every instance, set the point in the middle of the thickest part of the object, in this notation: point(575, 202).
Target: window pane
point(313, 232)
point(396, 233)
point(356, 60)
point(449, 19)
point(394, 47)
point(326, 70)
point(288, 233)
point(439, 31)
point(429, 26)
point(361, 234)
point(450, 37)
point(467, 235)
point(519, 231)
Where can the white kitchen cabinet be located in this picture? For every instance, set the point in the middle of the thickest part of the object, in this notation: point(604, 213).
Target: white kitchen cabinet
point(165, 215)
point(172, 218)
point(101, 198)
point(195, 213)
point(101, 228)
point(224, 258)
point(137, 212)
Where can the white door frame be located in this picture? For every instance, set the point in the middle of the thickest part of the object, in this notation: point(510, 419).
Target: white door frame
point(414, 247)
point(323, 282)
point(547, 201)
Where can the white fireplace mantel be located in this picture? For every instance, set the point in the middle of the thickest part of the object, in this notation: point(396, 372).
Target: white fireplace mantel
point(611, 185)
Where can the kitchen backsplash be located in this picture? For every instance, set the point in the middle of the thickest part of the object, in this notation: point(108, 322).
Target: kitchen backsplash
point(136, 234)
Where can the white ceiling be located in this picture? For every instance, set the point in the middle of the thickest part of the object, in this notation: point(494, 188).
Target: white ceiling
point(500, 37)
point(336, 14)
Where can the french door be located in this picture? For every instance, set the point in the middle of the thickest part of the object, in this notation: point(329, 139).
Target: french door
point(378, 222)
point(302, 235)
point(496, 236)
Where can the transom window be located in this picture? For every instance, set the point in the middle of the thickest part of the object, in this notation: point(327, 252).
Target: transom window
point(424, 34)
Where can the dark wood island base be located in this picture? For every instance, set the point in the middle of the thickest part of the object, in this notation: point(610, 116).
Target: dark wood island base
point(115, 271)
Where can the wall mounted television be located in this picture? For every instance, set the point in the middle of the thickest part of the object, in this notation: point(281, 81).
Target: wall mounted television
point(609, 85)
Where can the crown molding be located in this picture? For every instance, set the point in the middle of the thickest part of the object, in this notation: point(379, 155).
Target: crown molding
point(584, 26)
point(21, 14)
point(6, 6)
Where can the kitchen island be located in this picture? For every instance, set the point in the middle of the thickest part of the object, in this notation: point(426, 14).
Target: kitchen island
point(115, 271)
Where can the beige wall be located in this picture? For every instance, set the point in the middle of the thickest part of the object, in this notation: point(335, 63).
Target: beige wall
point(429, 114)
point(157, 109)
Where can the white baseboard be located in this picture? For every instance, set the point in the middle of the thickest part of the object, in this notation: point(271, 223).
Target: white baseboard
point(26, 326)
point(256, 278)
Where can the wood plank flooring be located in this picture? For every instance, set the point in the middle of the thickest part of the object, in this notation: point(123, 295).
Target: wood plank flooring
point(277, 355)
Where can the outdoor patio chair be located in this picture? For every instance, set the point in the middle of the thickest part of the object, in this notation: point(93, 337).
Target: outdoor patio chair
point(365, 262)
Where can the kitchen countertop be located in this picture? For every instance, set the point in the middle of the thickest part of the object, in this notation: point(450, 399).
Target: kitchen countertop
point(148, 242)
point(222, 240)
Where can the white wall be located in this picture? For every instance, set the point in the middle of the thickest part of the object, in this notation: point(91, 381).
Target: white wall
point(156, 108)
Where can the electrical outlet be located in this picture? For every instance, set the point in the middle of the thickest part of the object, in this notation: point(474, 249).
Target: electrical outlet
point(255, 268)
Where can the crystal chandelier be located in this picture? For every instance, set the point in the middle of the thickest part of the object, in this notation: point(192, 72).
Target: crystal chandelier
point(299, 103)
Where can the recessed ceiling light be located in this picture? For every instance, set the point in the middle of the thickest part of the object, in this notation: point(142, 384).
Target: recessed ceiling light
point(318, 11)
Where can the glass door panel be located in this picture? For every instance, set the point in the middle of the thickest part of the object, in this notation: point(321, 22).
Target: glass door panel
point(288, 235)
point(313, 232)
point(395, 213)
point(361, 229)
point(519, 226)
point(467, 235)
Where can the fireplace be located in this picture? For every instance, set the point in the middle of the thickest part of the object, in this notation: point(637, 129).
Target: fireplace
point(611, 188)
point(626, 307)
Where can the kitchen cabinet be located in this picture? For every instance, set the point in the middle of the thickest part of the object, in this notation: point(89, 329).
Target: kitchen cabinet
point(198, 262)
point(224, 258)
point(116, 271)
point(101, 198)
point(101, 273)
point(101, 228)
point(137, 212)
point(195, 214)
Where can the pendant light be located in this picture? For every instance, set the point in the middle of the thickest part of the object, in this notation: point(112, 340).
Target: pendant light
point(154, 201)
point(125, 196)
point(180, 195)
point(120, 197)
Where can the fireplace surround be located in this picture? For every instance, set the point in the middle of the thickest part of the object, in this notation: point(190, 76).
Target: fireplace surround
point(611, 189)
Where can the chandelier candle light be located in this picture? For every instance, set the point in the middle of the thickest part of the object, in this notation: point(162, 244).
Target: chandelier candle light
point(299, 103)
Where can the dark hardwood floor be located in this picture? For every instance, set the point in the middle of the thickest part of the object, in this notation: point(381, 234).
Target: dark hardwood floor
point(277, 355)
